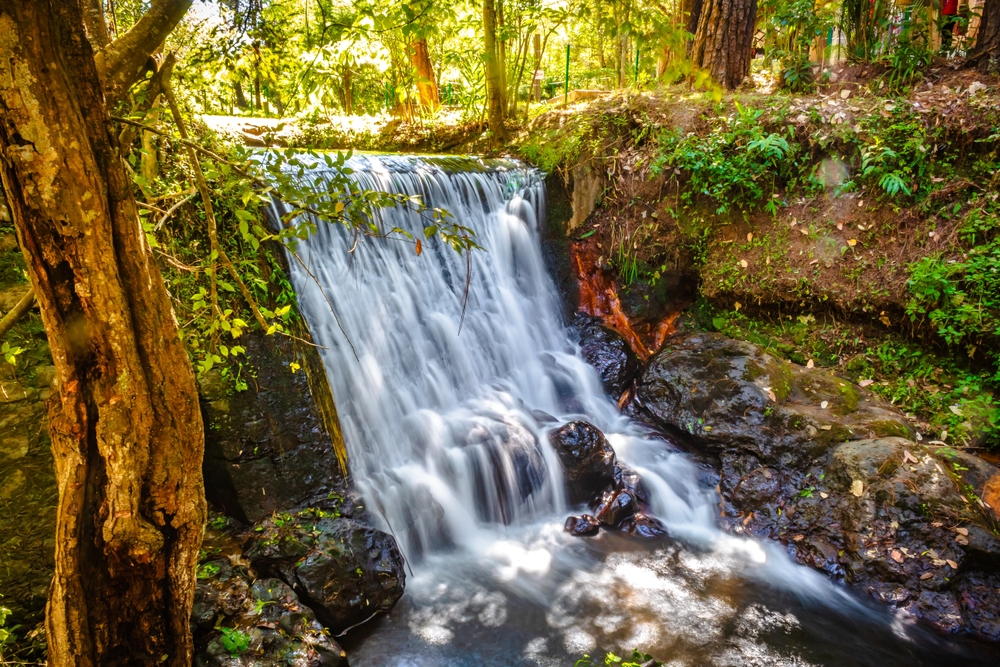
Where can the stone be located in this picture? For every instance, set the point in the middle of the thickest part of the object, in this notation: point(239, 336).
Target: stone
point(584, 525)
point(348, 572)
point(587, 459)
point(608, 352)
point(266, 448)
point(14, 446)
point(241, 622)
point(614, 507)
point(12, 484)
point(829, 469)
point(644, 526)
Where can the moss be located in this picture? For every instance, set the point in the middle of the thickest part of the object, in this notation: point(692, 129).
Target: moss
point(888, 429)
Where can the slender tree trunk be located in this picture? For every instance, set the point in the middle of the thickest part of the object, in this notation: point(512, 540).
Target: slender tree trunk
point(426, 83)
point(723, 43)
point(348, 92)
point(241, 98)
point(501, 50)
point(986, 55)
point(494, 82)
point(124, 420)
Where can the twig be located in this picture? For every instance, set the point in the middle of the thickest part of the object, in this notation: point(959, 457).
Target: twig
point(468, 281)
point(173, 209)
point(17, 312)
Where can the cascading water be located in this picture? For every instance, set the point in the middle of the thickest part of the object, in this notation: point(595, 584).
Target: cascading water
point(446, 420)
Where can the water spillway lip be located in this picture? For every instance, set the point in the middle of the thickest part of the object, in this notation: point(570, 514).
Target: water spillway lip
point(408, 162)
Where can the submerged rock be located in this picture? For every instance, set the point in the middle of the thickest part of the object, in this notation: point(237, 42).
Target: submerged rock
point(582, 526)
point(587, 459)
point(345, 571)
point(828, 469)
point(608, 352)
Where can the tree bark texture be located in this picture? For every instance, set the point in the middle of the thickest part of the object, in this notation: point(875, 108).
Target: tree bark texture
point(494, 80)
point(127, 435)
point(723, 43)
point(122, 63)
point(987, 52)
point(426, 83)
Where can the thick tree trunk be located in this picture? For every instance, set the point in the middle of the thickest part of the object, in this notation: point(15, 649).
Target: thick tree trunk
point(690, 14)
point(124, 420)
point(723, 43)
point(986, 55)
point(426, 83)
point(494, 81)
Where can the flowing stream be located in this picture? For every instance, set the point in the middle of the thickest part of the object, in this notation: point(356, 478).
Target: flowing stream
point(446, 422)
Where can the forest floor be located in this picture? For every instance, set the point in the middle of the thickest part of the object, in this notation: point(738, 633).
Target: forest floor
point(853, 227)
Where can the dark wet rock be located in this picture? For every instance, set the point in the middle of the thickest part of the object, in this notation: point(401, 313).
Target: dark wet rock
point(587, 459)
point(241, 621)
point(614, 507)
point(629, 481)
point(582, 526)
point(608, 352)
point(644, 526)
point(828, 469)
point(266, 448)
point(345, 571)
point(730, 396)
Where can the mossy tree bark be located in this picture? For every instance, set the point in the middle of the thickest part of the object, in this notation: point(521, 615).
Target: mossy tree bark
point(127, 435)
point(723, 42)
point(495, 90)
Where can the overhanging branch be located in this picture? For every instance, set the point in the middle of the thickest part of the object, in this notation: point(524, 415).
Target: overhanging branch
point(124, 60)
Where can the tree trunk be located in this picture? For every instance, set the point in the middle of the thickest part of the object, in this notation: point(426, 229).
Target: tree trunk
point(723, 43)
point(494, 82)
point(986, 55)
point(426, 83)
point(241, 98)
point(348, 92)
point(126, 430)
point(690, 13)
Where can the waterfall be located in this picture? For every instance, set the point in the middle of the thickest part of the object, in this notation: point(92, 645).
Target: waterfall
point(446, 421)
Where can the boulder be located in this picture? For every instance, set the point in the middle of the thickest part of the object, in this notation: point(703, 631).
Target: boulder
point(240, 621)
point(582, 526)
point(613, 507)
point(345, 571)
point(587, 459)
point(644, 526)
point(829, 470)
point(608, 352)
point(267, 448)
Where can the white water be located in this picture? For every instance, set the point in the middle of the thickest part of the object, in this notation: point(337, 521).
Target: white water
point(447, 439)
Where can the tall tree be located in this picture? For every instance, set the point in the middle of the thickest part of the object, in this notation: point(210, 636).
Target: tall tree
point(426, 83)
point(495, 91)
point(127, 435)
point(723, 42)
point(987, 52)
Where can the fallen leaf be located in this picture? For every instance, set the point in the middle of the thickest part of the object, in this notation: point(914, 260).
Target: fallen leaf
point(907, 456)
point(799, 538)
point(858, 488)
point(865, 383)
point(768, 262)
point(420, 247)
point(737, 305)
point(897, 556)
point(804, 231)
point(964, 541)
point(748, 519)
point(840, 226)
point(824, 404)
point(926, 575)
point(939, 562)
point(743, 263)
point(852, 242)
point(810, 364)
point(823, 495)
point(952, 564)
point(827, 427)
point(749, 237)
point(937, 524)
point(770, 394)
point(962, 531)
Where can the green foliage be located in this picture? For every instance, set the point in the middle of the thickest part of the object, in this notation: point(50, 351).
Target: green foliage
point(960, 297)
point(791, 29)
point(234, 640)
point(638, 659)
point(11, 353)
point(734, 165)
point(911, 53)
point(867, 25)
point(897, 152)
